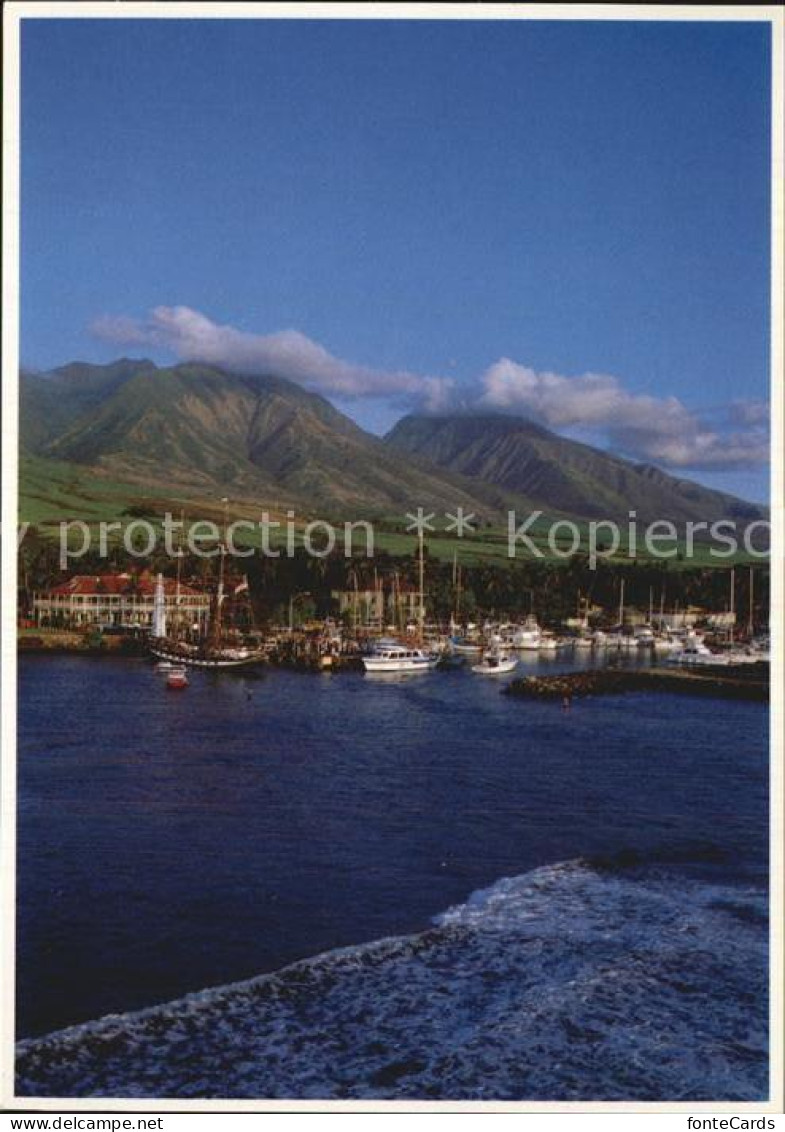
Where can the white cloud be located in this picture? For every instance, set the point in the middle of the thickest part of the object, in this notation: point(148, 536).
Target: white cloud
point(661, 429)
point(658, 429)
point(192, 336)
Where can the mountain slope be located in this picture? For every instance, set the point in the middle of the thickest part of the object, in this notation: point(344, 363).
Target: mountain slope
point(49, 403)
point(199, 428)
point(560, 474)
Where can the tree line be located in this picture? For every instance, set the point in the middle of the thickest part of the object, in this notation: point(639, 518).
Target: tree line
point(552, 590)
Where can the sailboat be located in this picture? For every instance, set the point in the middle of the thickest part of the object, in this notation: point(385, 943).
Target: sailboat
point(618, 639)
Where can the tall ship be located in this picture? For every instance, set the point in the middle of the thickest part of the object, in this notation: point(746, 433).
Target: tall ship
point(209, 647)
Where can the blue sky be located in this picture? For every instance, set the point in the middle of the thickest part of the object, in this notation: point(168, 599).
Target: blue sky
point(569, 220)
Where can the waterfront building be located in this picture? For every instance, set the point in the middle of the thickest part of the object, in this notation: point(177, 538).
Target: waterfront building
point(124, 601)
point(375, 608)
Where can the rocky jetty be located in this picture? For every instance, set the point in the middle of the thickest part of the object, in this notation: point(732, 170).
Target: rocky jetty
point(747, 682)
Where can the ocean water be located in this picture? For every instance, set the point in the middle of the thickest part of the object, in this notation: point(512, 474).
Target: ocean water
point(247, 828)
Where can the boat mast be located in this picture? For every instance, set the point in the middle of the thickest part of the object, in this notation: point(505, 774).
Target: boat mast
point(355, 603)
point(456, 591)
point(215, 628)
point(621, 604)
point(732, 603)
point(421, 602)
point(751, 620)
point(176, 633)
point(379, 588)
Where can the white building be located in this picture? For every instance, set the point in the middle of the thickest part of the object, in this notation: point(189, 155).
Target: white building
point(121, 600)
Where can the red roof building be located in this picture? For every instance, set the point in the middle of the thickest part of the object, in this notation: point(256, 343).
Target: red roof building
point(122, 600)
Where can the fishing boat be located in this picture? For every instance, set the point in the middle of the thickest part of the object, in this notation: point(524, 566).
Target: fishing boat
point(495, 664)
point(177, 678)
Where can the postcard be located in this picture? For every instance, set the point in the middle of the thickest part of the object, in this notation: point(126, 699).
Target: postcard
point(392, 437)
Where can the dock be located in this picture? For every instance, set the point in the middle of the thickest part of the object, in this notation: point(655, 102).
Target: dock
point(741, 682)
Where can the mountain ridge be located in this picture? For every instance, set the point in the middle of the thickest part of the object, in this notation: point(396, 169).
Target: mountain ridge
point(519, 455)
point(196, 427)
point(199, 427)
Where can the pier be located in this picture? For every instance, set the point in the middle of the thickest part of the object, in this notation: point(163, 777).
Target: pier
point(742, 682)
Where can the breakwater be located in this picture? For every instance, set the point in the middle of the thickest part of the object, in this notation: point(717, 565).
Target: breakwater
point(745, 682)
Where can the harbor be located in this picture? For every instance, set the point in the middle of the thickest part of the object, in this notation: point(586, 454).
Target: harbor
point(693, 651)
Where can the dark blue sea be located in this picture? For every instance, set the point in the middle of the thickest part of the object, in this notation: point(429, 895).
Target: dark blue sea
point(528, 902)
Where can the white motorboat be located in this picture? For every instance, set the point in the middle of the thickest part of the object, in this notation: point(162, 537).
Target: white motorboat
point(694, 652)
point(495, 664)
point(551, 643)
point(399, 658)
point(747, 655)
point(528, 635)
point(625, 642)
point(644, 637)
point(465, 646)
point(664, 645)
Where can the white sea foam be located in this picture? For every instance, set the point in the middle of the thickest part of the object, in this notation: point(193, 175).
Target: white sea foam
point(568, 983)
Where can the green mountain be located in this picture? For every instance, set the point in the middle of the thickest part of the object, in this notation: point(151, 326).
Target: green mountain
point(559, 474)
point(49, 403)
point(197, 429)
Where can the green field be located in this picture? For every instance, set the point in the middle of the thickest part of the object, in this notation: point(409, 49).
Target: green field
point(52, 492)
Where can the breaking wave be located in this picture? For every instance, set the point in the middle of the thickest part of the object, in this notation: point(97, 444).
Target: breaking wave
point(571, 982)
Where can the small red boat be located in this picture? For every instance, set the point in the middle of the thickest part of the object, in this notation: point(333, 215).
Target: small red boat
point(177, 678)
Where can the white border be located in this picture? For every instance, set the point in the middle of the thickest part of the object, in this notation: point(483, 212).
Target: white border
point(13, 14)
